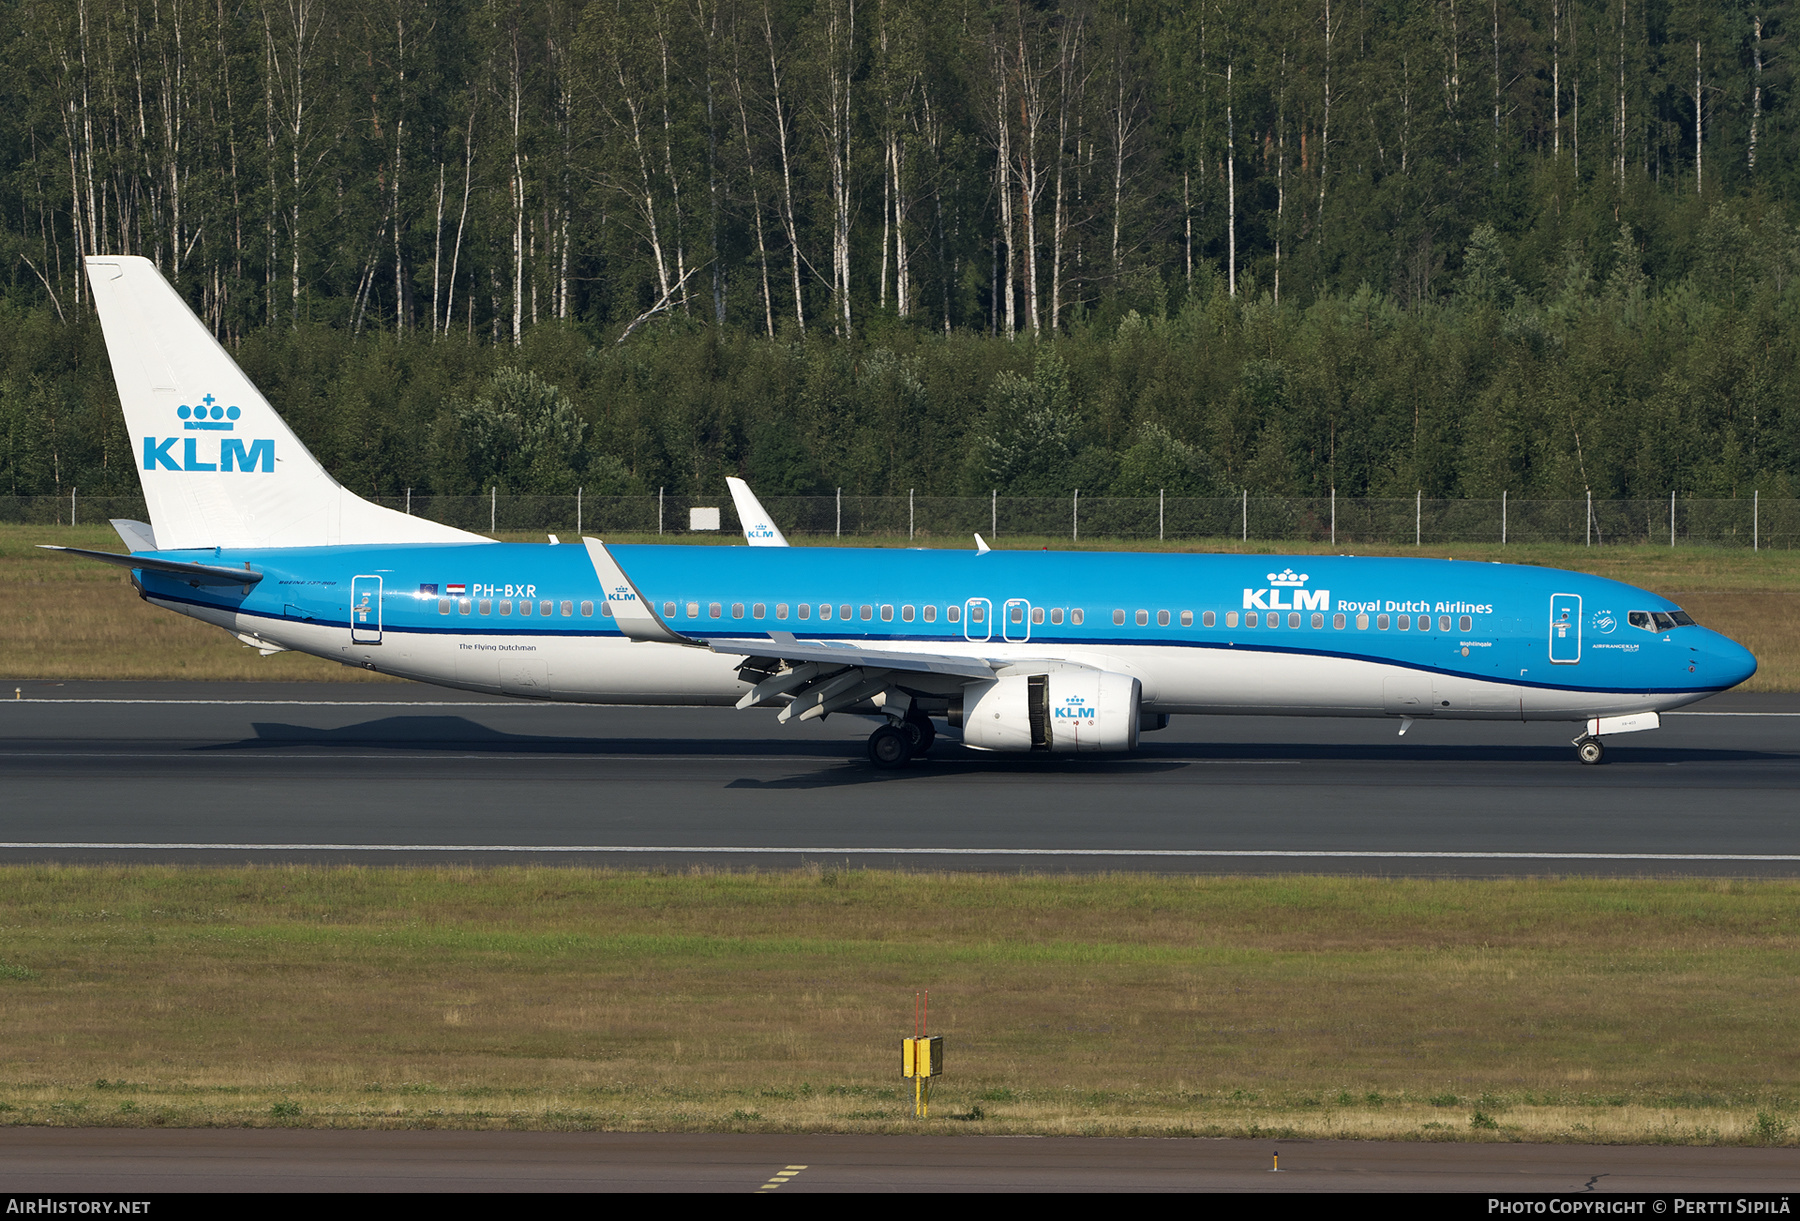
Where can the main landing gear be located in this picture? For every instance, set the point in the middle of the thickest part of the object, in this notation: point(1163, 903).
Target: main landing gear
point(895, 745)
point(1589, 750)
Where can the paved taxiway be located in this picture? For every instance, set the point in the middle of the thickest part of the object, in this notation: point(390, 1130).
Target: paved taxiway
point(397, 772)
point(97, 1161)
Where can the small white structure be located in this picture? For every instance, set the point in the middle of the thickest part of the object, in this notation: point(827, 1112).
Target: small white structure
point(703, 519)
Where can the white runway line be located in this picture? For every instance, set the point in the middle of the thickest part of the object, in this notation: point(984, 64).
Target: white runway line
point(1187, 853)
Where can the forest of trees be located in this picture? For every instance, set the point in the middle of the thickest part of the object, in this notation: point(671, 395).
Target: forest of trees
point(1546, 247)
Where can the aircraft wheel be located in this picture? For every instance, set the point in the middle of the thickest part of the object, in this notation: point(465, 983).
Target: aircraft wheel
point(1589, 750)
point(890, 747)
point(922, 732)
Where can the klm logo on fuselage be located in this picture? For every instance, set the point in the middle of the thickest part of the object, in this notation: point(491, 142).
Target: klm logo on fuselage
point(232, 454)
point(1279, 583)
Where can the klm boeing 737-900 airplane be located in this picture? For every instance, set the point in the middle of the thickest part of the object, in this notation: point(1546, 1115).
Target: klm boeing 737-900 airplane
point(1019, 651)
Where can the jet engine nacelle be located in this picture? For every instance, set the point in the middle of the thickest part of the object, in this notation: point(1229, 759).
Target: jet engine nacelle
point(1067, 710)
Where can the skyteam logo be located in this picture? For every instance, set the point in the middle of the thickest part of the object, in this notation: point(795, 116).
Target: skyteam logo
point(1279, 583)
point(1074, 708)
point(1603, 622)
point(209, 415)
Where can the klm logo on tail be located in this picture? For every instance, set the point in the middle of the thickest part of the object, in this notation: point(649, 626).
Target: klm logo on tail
point(232, 454)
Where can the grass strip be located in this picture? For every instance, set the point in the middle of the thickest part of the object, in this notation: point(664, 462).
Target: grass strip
point(1545, 1009)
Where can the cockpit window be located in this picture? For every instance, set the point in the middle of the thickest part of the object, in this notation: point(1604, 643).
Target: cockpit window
point(1663, 622)
point(1659, 621)
point(1639, 619)
point(1682, 618)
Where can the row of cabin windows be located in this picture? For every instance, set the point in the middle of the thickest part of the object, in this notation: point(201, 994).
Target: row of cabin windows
point(867, 612)
point(1015, 612)
point(546, 608)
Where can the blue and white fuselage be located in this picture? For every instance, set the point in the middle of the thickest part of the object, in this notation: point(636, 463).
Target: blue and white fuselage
point(1031, 650)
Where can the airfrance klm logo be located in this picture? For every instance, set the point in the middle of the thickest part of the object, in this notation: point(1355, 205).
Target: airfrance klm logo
point(1279, 584)
point(209, 415)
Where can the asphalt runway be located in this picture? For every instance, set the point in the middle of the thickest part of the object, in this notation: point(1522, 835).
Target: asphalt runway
point(92, 1161)
point(406, 773)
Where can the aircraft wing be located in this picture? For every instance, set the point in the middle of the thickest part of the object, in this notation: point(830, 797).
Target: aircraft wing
point(819, 677)
point(193, 574)
point(782, 646)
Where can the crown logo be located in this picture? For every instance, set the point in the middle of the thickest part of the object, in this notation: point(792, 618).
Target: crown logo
point(1287, 577)
point(208, 416)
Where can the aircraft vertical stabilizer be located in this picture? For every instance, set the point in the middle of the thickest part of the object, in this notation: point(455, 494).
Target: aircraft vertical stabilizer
point(219, 467)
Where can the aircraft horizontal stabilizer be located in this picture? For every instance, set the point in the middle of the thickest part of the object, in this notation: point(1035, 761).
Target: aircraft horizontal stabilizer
point(193, 574)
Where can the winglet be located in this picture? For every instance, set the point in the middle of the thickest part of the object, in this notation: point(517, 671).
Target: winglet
point(759, 528)
point(630, 609)
point(981, 547)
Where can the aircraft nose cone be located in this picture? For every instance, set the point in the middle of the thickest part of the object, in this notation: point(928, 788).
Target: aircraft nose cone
point(1725, 663)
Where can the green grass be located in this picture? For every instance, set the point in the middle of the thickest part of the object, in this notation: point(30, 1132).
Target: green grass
point(1572, 1009)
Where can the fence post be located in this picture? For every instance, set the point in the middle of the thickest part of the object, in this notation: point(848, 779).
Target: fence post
point(1503, 493)
point(1418, 516)
point(409, 502)
point(994, 518)
point(1590, 517)
point(1334, 517)
point(1246, 537)
point(1671, 518)
point(659, 511)
point(71, 504)
point(577, 512)
point(1755, 518)
point(493, 508)
point(909, 514)
point(1159, 515)
point(840, 512)
point(1075, 517)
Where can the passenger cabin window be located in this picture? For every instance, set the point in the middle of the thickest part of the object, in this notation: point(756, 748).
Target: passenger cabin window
point(1250, 619)
point(1209, 619)
point(1016, 613)
point(1443, 623)
point(804, 610)
point(714, 610)
point(443, 606)
point(906, 613)
point(1405, 623)
point(781, 610)
point(1162, 618)
point(1337, 622)
point(1464, 624)
point(1056, 614)
point(866, 612)
point(668, 610)
point(737, 610)
point(759, 610)
point(486, 607)
point(505, 608)
point(953, 614)
point(524, 608)
point(1118, 618)
point(1319, 621)
point(1076, 616)
point(1381, 623)
point(693, 610)
point(1362, 622)
point(1037, 614)
point(1293, 618)
point(930, 613)
point(844, 610)
point(463, 606)
point(1187, 619)
point(1230, 618)
point(587, 610)
point(978, 613)
point(605, 610)
point(887, 613)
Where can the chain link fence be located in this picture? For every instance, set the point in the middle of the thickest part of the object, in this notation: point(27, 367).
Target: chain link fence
point(1342, 521)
